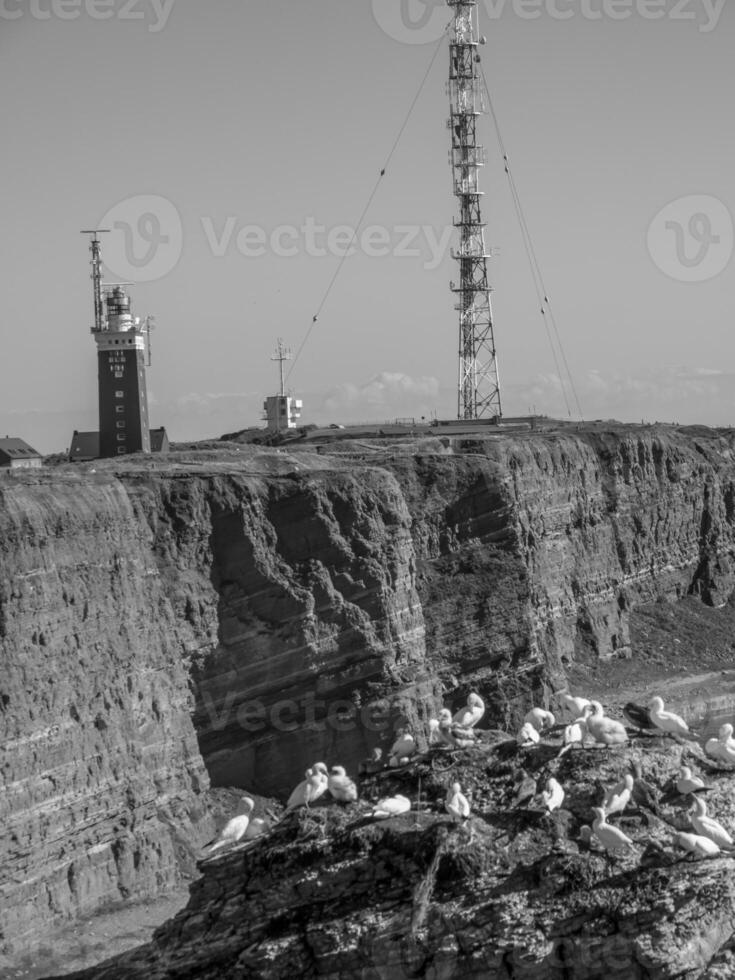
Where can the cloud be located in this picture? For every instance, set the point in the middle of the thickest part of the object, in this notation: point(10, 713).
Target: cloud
point(388, 394)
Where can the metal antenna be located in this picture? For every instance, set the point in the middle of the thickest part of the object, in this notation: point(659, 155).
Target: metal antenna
point(94, 248)
point(478, 392)
point(282, 354)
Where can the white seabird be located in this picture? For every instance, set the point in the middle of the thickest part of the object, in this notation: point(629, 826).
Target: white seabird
point(340, 786)
point(472, 712)
point(540, 719)
point(667, 721)
point(309, 789)
point(687, 783)
point(618, 796)
point(235, 829)
point(722, 747)
point(602, 729)
point(527, 735)
point(574, 734)
point(696, 844)
point(553, 795)
point(612, 838)
point(391, 806)
point(402, 749)
point(575, 705)
point(453, 735)
point(708, 826)
point(373, 764)
point(457, 804)
point(257, 827)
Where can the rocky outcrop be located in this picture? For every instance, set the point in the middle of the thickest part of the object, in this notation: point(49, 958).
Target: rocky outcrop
point(516, 894)
point(234, 617)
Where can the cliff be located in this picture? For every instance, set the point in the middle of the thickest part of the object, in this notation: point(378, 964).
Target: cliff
point(233, 616)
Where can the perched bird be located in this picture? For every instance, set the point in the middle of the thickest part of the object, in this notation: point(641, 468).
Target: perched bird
point(602, 729)
point(341, 787)
point(434, 735)
point(574, 734)
point(540, 719)
point(453, 735)
point(391, 806)
point(553, 795)
point(575, 706)
point(612, 838)
point(667, 721)
point(308, 790)
point(402, 749)
point(257, 827)
point(618, 796)
point(708, 826)
point(235, 829)
point(527, 735)
point(643, 793)
point(457, 804)
point(696, 844)
point(373, 764)
point(722, 747)
point(472, 712)
point(638, 716)
point(687, 783)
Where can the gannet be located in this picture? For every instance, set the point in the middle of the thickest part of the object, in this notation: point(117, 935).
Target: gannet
point(540, 719)
point(708, 826)
point(574, 734)
point(453, 735)
point(687, 783)
point(602, 729)
point(667, 721)
point(402, 749)
point(472, 713)
point(235, 829)
point(575, 706)
point(434, 734)
point(638, 716)
point(618, 796)
point(341, 787)
point(308, 790)
point(391, 806)
point(553, 795)
point(612, 838)
point(722, 747)
point(527, 735)
point(457, 804)
point(257, 827)
point(696, 844)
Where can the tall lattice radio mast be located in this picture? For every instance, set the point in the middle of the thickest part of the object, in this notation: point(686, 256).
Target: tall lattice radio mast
point(478, 394)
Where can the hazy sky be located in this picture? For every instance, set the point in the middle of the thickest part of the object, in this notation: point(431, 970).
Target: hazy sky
point(263, 126)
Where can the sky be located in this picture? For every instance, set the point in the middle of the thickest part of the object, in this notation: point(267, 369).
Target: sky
point(229, 143)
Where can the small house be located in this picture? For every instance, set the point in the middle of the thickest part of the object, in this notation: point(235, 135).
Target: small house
point(16, 454)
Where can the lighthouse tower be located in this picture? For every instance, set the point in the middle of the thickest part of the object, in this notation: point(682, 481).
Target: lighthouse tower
point(120, 339)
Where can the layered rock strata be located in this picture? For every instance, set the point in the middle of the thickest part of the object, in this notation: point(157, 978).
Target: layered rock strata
point(238, 617)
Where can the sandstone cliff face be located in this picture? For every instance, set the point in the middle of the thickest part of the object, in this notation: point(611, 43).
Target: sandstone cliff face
point(101, 779)
point(237, 619)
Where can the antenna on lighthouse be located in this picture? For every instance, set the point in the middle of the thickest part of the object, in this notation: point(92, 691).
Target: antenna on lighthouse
point(96, 263)
point(478, 390)
point(282, 354)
